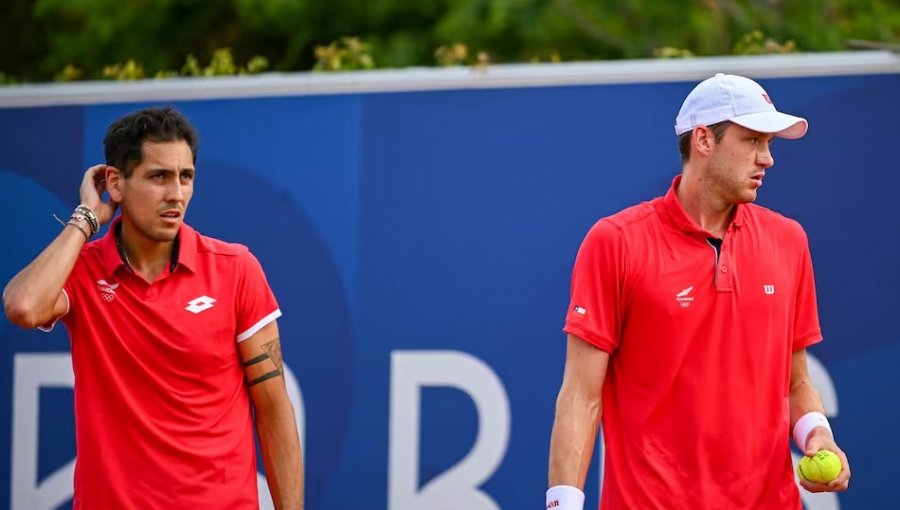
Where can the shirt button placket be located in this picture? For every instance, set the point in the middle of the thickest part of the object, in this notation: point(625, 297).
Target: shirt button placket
point(725, 278)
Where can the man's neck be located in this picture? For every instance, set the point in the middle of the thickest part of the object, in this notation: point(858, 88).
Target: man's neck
point(144, 256)
point(703, 205)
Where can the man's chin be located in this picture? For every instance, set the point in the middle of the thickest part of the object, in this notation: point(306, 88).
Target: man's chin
point(747, 198)
point(165, 236)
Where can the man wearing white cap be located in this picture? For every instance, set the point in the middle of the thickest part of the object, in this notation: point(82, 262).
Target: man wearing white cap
point(688, 325)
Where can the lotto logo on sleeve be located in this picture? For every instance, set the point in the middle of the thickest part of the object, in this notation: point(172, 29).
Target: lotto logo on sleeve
point(200, 304)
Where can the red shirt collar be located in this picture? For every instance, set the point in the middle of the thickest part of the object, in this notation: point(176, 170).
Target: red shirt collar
point(687, 224)
point(185, 254)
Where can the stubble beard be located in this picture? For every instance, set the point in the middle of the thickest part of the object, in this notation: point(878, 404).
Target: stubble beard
point(727, 184)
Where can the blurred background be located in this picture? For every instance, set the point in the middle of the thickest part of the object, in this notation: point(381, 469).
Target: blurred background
point(44, 40)
point(416, 179)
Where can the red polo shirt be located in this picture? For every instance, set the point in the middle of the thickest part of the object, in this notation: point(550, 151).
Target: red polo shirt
point(695, 402)
point(161, 409)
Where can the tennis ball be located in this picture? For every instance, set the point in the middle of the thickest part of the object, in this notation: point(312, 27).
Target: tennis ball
point(822, 467)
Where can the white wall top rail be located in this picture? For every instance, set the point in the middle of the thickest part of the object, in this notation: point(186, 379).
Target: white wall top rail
point(454, 78)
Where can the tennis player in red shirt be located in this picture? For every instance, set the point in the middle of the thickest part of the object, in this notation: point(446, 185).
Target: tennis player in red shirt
point(173, 336)
point(687, 329)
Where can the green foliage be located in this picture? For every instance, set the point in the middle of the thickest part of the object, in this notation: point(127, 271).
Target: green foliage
point(548, 56)
point(128, 71)
point(220, 64)
point(452, 55)
point(755, 43)
point(191, 67)
point(42, 37)
point(162, 74)
point(346, 54)
point(458, 54)
point(257, 64)
point(670, 52)
point(5, 79)
point(69, 73)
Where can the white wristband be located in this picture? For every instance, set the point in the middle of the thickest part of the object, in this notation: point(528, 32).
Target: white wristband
point(806, 424)
point(564, 497)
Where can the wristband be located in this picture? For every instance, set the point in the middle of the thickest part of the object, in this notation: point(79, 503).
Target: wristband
point(806, 424)
point(564, 497)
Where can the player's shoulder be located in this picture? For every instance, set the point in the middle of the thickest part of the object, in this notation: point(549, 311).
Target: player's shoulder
point(773, 222)
point(630, 219)
point(218, 248)
point(626, 227)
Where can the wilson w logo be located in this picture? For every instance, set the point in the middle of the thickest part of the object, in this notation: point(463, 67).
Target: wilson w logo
point(769, 289)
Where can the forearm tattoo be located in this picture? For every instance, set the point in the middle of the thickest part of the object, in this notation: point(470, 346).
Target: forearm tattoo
point(272, 351)
point(258, 359)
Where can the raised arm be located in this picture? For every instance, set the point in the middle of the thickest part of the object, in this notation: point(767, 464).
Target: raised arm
point(276, 427)
point(34, 296)
point(578, 412)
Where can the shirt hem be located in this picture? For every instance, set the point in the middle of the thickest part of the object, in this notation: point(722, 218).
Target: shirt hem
point(807, 340)
point(600, 342)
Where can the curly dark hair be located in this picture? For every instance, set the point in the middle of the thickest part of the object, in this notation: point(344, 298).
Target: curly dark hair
point(124, 141)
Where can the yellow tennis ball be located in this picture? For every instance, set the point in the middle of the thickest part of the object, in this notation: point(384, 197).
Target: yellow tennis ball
point(822, 467)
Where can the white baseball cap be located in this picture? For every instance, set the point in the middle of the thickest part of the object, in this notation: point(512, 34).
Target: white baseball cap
point(740, 100)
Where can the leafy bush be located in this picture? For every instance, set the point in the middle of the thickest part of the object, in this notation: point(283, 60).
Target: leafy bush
point(69, 39)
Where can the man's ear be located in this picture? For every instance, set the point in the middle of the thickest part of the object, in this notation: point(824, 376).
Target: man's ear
point(703, 140)
point(115, 181)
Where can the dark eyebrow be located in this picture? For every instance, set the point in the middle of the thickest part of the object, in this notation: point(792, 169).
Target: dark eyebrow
point(170, 171)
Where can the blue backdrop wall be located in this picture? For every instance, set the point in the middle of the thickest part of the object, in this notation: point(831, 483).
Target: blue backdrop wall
point(420, 245)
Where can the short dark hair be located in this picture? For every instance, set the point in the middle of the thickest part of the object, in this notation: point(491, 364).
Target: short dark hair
point(684, 140)
point(124, 141)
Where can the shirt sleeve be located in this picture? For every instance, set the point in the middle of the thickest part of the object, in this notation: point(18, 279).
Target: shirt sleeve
point(255, 305)
point(48, 327)
point(807, 330)
point(68, 291)
point(595, 306)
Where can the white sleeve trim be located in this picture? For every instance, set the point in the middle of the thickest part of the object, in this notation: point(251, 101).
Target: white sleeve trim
point(46, 328)
point(259, 325)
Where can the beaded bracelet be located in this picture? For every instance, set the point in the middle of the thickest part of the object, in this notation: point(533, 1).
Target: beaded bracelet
point(90, 216)
point(74, 222)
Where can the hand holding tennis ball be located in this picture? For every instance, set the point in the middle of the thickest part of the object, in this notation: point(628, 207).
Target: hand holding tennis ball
point(822, 467)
